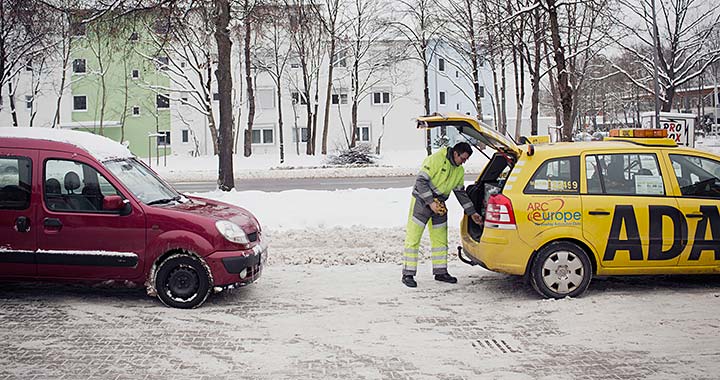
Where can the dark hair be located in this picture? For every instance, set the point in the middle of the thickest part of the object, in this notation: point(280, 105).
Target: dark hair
point(463, 147)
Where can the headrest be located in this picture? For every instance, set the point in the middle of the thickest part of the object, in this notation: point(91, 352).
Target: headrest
point(72, 181)
point(52, 186)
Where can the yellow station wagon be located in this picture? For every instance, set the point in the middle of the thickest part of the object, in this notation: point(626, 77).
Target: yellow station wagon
point(635, 203)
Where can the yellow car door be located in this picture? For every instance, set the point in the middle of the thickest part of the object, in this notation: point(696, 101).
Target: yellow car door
point(628, 219)
point(697, 177)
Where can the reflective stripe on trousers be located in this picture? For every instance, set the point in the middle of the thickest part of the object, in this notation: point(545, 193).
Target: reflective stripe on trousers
point(419, 216)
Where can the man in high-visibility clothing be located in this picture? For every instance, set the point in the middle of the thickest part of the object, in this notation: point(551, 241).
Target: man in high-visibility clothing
point(441, 173)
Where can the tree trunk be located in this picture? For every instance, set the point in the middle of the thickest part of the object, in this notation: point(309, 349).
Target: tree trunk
point(212, 125)
point(535, 97)
point(13, 111)
point(226, 181)
point(566, 96)
point(280, 121)
point(426, 93)
point(250, 90)
point(328, 96)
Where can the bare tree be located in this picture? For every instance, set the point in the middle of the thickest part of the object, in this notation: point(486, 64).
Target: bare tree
point(273, 54)
point(684, 29)
point(462, 33)
point(306, 39)
point(333, 24)
point(25, 33)
point(418, 23)
point(578, 31)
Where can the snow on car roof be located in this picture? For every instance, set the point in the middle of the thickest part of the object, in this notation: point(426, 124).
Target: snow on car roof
point(100, 147)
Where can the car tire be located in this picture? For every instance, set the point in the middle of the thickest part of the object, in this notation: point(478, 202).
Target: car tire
point(182, 281)
point(561, 269)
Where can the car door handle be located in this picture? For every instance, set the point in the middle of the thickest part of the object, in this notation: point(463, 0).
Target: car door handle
point(22, 224)
point(52, 223)
point(695, 215)
point(599, 212)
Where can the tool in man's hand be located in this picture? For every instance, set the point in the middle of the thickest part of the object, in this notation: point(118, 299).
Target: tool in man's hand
point(441, 208)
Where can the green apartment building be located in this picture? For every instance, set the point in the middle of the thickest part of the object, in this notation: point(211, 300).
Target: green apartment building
point(119, 85)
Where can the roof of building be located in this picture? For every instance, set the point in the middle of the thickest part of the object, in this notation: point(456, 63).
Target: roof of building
point(100, 147)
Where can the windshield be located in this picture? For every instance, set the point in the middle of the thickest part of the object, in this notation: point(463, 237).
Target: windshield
point(142, 182)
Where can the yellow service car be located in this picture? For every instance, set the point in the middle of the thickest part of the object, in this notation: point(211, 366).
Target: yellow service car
point(635, 203)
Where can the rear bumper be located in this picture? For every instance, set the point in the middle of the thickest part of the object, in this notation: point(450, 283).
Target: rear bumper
point(499, 251)
point(237, 268)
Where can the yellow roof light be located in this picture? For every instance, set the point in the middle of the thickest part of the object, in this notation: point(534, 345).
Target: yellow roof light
point(639, 132)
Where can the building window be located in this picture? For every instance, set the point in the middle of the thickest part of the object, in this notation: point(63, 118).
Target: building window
point(303, 132)
point(78, 66)
point(135, 74)
point(163, 101)
point(28, 64)
point(79, 103)
point(339, 98)
point(164, 139)
point(297, 98)
point(29, 102)
point(339, 59)
point(184, 100)
point(134, 36)
point(136, 111)
point(266, 98)
point(457, 106)
point(294, 64)
point(216, 97)
point(381, 97)
point(363, 133)
point(457, 74)
point(185, 136)
point(162, 62)
point(441, 64)
point(442, 98)
point(262, 135)
point(481, 91)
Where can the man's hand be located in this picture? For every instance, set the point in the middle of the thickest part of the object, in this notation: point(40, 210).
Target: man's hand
point(435, 207)
point(477, 218)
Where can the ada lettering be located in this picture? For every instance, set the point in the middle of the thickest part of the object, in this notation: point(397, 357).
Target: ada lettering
point(624, 220)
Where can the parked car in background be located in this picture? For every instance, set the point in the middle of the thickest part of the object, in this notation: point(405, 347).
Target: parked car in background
point(75, 206)
point(635, 203)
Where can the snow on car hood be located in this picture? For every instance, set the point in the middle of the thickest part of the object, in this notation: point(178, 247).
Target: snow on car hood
point(219, 211)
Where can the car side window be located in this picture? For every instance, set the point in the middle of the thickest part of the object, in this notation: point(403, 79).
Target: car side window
point(556, 176)
point(696, 176)
point(623, 174)
point(75, 187)
point(15, 180)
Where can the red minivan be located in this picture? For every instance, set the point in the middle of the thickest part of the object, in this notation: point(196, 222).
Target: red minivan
point(78, 206)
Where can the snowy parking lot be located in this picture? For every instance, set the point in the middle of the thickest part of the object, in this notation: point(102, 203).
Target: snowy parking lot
point(313, 317)
point(330, 305)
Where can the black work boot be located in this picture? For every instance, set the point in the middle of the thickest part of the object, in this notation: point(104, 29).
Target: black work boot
point(409, 281)
point(446, 277)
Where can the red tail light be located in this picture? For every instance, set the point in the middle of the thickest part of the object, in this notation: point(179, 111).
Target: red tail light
point(499, 212)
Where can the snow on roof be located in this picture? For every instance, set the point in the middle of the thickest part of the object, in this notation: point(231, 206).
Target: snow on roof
point(100, 147)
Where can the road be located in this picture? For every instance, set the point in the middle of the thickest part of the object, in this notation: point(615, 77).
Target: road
point(360, 322)
point(282, 184)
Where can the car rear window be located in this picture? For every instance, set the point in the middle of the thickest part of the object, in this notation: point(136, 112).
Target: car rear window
point(556, 176)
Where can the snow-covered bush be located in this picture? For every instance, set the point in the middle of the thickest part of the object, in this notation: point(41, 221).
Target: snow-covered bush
point(358, 155)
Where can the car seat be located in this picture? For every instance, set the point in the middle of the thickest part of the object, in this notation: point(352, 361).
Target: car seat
point(92, 193)
point(53, 195)
point(76, 201)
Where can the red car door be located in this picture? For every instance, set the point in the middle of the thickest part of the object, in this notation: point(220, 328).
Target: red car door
point(18, 200)
point(78, 238)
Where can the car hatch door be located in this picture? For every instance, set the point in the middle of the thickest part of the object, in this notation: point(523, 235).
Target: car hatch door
point(473, 128)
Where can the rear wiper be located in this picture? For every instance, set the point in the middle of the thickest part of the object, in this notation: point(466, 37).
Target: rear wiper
point(164, 201)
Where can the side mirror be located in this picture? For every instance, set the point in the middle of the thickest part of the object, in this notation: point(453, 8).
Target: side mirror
point(116, 203)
